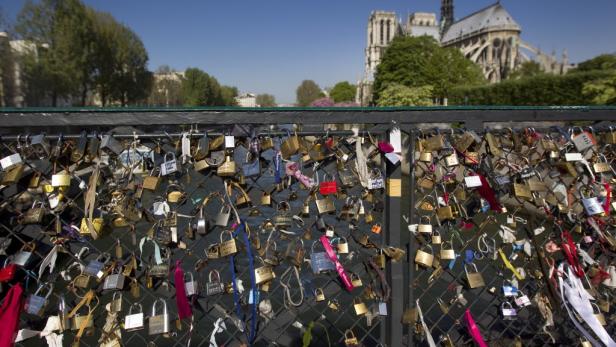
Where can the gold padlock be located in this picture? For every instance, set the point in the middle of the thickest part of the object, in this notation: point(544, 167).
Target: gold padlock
point(356, 280)
point(474, 278)
point(266, 199)
point(213, 252)
point(380, 260)
point(445, 213)
point(96, 222)
point(13, 174)
point(447, 253)
point(436, 237)
point(424, 258)
point(425, 226)
point(350, 339)
point(319, 295)
point(360, 307)
point(522, 191)
point(61, 180)
point(228, 247)
point(227, 168)
point(263, 274)
point(343, 246)
point(425, 157)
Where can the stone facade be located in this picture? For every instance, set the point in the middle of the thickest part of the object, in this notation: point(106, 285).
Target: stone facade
point(489, 37)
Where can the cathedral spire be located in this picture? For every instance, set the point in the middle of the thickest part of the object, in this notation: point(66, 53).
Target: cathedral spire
point(446, 14)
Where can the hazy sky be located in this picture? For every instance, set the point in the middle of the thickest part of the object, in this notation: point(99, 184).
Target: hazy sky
point(271, 46)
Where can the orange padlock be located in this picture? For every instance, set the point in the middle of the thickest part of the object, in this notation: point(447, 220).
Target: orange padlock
point(376, 228)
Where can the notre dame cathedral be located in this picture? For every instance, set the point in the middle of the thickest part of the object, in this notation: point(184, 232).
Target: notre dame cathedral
point(489, 37)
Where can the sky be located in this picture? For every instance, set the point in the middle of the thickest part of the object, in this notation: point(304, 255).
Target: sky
point(271, 46)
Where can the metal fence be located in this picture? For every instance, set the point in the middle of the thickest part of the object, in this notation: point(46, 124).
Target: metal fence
point(395, 211)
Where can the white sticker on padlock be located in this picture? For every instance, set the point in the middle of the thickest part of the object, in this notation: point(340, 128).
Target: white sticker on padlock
point(329, 233)
point(592, 206)
point(573, 157)
point(229, 141)
point(472, 181)
point(583, 141)
point(383, 308)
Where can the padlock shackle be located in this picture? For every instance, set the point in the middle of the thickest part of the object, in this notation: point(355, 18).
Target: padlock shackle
point(209, 276)
point(164, 306)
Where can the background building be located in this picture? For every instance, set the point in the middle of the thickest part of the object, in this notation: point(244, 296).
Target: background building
point(246, 100)
point(489, 37)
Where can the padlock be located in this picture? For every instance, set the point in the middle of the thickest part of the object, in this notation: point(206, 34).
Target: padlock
point(228, 247)
point(222, 218)
point(474, 278)
point(376, 180)
point(214, 287)
point(522, 191)
point(283, 218)
point(508, 312)
point(175, 194)
point(472, 181)
point(356, 280)
point(81, 321)
point(522, 300)
point(349, 339)
point(319, 295)
point(328, 185)
point(592, 206)
point(134, 321)
point(342, 246)
point(82, 281)
point(97, 224)
point(424, 258)
point(436, 237)
point(110, 145)
point(263, 274)
point(360, 307)
point(376, 228)
point(380, 260)
point(151, 181)
point(35, 303)
point(583, 140)
point(116, 302)
point(319, 261)
point(115, 281)
point(425, 157)
point(509, 290)
point(95, 267)
point(62, 179)
point(170, 165)
point(10, 161)
point(40, 145)
point(227, 168)
point(202, 223)
point(452, 160)
point(445, 213)
point(191, 286)
point(159, 324)
point(425, 226)
point(266, 199)
point(447, 253)
point(325, 205)
point(23, 257)
point(213, 251)
point(597, 313)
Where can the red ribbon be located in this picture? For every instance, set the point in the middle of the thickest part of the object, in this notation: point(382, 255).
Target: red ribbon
point(184, 310)
point(9, 315)
point(385, 147)
point(8, 272)
point(570, 250)
point(473, 330)
point(332, 256)
point(487, 193)
point(608, 198)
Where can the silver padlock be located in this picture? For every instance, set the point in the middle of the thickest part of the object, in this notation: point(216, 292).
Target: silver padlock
point(40, 145)
point(134, 321)
point(191, 285)
point(376, 180)
point(10, 161)
point(319, 261)
point(115, 281)
point(159, 324)
point(508, 312)
point(95, 267)
point(522, 300)
point(116, 302)
point(201, 223)
point(109, 143)
point(169, 165)
point(24, 255)
point(214, 287)
point(222, 218)
point(35, 304)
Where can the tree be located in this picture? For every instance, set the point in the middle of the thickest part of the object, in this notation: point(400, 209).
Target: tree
point(307, 92)
point(266, 100)
point(228, 95)
point(343, 91)
point(421, 61)
point(526, 69)
point(601, 62)
point(601, 91)
point(398, 95)
point(201, 89)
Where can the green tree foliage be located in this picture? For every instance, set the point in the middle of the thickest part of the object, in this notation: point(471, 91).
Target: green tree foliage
point(307, 92)
point(228, 95)
point(399, 95)
point(77, 52)
point(526, 69)
point(601, 62)
point(7, 71)
point(266, 100)
point(201, 89)
point(421, 61)
point(541, 90)
point(601, 91)
point(343, 91)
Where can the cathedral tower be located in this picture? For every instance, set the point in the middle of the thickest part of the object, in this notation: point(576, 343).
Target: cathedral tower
point(446, 14)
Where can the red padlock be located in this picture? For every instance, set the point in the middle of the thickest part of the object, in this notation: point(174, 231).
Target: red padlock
point(328, 187)
point(376, 228)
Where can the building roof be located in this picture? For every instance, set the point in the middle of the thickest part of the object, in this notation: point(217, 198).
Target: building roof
point(493, 17)
point(423, 30)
